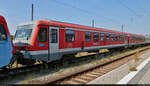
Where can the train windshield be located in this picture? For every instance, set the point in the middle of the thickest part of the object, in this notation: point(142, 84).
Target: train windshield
point(3, 35)
point(24, 31)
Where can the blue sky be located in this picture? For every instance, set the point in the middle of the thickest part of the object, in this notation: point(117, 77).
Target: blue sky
point(110, 14)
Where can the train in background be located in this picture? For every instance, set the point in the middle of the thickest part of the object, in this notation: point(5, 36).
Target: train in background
point(6, 45)
point(49, 41)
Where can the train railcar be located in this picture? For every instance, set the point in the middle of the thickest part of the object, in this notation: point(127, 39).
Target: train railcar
point(6, 46)
point(49, 40)
point(136, 39)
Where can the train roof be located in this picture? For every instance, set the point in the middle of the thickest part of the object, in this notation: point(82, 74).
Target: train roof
point(66, 24)
point(2, 19)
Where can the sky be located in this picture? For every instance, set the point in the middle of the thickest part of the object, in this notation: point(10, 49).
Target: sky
point(134, 15)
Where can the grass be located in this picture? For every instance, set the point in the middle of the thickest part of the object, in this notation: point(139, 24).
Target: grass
point(133, 69)
point(5, 81)
point(32, 75)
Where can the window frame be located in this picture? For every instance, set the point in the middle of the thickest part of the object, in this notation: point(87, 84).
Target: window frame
point(97, 37)
point(43, 28)
point(126, 37)
point(88, 36)
point(112, 36)
point(107, 36)
point(56, 35)
point(115, 37)
point(102, 36)
point(123, 37)
point(73, 35)
point(5, 33)
point(120, 37)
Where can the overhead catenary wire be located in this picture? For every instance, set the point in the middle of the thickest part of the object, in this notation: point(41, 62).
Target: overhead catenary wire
point(139, 5)
point(85, 11)
point(74, 7)
point(131, 10)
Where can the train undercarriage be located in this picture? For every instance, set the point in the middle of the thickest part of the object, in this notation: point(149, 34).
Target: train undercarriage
point(18, 57)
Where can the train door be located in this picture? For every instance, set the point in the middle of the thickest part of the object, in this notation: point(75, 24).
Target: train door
point(42, 43)
point(54, 43)
point(126, 39)
point(5, 46)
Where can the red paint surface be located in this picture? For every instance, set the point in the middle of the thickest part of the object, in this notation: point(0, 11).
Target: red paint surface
point(79, 36)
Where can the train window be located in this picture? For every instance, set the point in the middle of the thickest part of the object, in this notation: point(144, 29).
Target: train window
point(112, 36)
point(134, 38)
point(3, 35)
point(70, 35)
point(88, 36)
point(53, 35)
point(102, 36)
point(131, 38)
point(24, 31)
point(42, 35)
point(123, 37)
point(126, 37)
point(115, 37)
point(95, 37)
point(120, 37)
point(107, 36)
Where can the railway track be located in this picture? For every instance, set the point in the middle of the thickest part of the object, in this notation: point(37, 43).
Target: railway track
point(89, 74)
point(16, 71)
point(5, 74)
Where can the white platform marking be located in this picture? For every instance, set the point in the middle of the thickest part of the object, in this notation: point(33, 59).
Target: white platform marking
point(127, 78)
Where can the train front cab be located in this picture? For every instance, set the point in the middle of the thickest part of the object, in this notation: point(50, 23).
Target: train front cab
point(6, 48)
point(41, 42)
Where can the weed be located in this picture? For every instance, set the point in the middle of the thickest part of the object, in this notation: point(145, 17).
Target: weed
point(31, 76)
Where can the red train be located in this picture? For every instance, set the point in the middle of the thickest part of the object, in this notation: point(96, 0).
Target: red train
point(50, 40)
point(6, 46)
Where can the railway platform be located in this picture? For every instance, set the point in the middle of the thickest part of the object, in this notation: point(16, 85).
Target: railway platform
point(124, 74)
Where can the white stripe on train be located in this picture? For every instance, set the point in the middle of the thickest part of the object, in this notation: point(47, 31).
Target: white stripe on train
point(76, 49)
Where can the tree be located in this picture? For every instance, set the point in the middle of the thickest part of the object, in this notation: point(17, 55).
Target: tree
point(12, 37)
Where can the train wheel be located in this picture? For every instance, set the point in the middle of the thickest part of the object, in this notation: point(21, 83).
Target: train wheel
point(68, 57)
point(26, 61)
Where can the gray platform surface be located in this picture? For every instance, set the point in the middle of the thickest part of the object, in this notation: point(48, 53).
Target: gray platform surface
point(139, 77)
point(145, 79)
point(117, 74)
